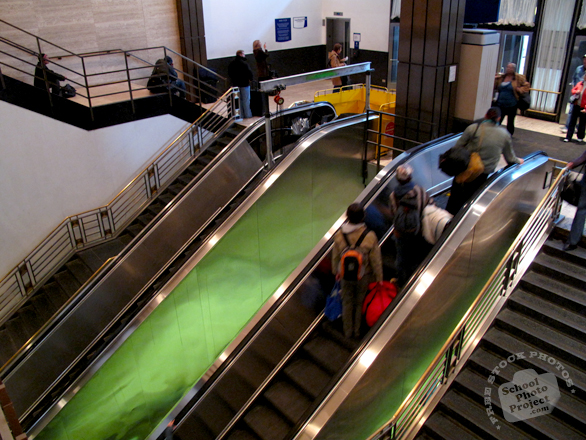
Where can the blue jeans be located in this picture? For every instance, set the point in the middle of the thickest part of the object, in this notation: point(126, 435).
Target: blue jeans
point(245, 102)
point(580, 217)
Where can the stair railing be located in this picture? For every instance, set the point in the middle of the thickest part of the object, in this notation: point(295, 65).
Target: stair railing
point(124, 80)
point(98, 225)
point(447, 364)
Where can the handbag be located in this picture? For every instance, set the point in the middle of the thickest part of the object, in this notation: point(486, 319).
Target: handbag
point(333, 309)
point(456, 160)
point(572, 188)
point(524, 101)
point(475, 169)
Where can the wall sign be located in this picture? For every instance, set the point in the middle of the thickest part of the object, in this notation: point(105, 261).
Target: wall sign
point(299, 22)
point(282, 29)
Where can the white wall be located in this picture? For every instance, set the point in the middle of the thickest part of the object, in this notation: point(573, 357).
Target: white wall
point(50, 170)
point(234, 25)
point(369, 18)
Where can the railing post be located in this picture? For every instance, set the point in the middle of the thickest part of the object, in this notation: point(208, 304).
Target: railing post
point(268, 131)
point(87, 88)
point(129, 83)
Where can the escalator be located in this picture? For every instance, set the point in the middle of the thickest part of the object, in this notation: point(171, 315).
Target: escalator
point(66, 282)
point(179, 226)
point(546, 317)
point(213, 296)
point(291, 378)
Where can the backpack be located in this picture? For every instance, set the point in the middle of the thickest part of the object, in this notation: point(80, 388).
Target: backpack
point(352, 260)
point(407, 220)
point(377, 300)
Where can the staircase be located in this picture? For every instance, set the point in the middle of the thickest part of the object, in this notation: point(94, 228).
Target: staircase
point(545, 319)
point(72, 275)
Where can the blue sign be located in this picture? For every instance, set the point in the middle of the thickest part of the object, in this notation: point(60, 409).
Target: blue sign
point(282, 29)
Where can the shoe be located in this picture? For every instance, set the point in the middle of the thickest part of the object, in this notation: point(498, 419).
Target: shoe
point(580, 140)
point(569, 247)
point(564, 130)
point(566, 140)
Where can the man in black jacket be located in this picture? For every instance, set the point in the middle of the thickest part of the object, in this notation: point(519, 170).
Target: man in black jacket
point(52, 78)
point(240, 74)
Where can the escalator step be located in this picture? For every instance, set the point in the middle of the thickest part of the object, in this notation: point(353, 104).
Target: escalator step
point(91, 259)
point(194, 428)
point(67, 282)
point(328, 353)
point(216, 414)
point(547, 425)
point(80, 271)
point(308, 376)
point(185, 178)
point(555, 291)
point(552, 315)
point(146, 218)
point(443, 427)
point(195, 168)
point(291, 402)
point(241, 435)
point(134, 229)
point(561, 346)
point(44, 307)
point(17, 331)
point(124, 240)
point(266, 423)
point(175, 188)
point(235, 390)
point(31, 319)
point(7, 346)
point(54, 293)
point(471, 414)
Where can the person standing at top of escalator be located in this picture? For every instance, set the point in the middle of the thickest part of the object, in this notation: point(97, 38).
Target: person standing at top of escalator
point(354, 234)
point(260, 55)
point(240, 74)
point(577, 228)
point(510, 87)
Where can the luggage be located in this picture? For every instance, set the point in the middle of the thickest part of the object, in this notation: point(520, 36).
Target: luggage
point(434, 220)
point(377, 300)
point(256, 103)
point(333, 308)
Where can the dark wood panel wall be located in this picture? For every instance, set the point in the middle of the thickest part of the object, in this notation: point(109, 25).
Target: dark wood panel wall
point(430, 39)
point(192, 31)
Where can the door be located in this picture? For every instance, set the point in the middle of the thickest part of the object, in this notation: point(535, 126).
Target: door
point(338, 31)
point(578, 52)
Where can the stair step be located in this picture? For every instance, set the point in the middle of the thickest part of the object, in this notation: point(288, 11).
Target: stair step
point(155, 207)
point(546, 338)
point(54, 293)
point(175, 188)
point(45, 308)
point(67, 282)
point(165, 198)
point(204, 160)
point(555, 248)
point(145, 218)
point(110, 248)
point(445, 427)
point(504, 344)
point(194, 424)
point(560, 269)
point(7, 346)
point(17, 330)
point(546, 424)
point(123, 240)
point(31, 318)
point(555, 291)
point(330, 355)
point(266, 423)
point(80, 271)
point(290, 402)
point(308, 376)
point(134, 229)
point(471, 414)
point(196, 168)
point(548, 313)
point(569, 408)
point(91, 259)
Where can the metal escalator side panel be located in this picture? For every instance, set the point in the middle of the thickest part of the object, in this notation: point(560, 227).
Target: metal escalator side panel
point(400, 349)
point(28, 381)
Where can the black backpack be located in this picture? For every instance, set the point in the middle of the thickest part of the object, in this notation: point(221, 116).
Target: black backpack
point(407, 219)
point(352, 260)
